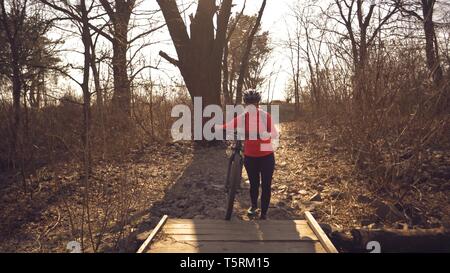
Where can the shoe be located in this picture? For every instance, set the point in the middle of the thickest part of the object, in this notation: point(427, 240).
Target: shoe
point(251, 212)
point(263, 217)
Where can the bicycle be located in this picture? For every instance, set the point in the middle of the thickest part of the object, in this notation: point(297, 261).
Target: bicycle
point(234, 172)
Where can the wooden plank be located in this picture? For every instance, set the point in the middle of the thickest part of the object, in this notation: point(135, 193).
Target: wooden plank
point(237, 247)
point(241, 237)
point(241, 228)
point(248, 225)
point(327, 244)
point(153, 234)
point(220, 236)
point(236, 225)
point(299, 232)
point(230, 223)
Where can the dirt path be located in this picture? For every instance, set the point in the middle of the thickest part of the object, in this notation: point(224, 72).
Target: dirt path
point(303, 170)
point(312, 173)
point(199, 191)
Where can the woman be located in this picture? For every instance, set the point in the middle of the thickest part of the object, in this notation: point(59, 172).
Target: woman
point(259, 159)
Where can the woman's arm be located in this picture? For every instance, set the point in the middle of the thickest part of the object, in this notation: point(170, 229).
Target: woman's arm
point(231, 125)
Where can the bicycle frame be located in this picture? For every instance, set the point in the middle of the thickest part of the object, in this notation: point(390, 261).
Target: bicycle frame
point(234, 176)
point(237, 149)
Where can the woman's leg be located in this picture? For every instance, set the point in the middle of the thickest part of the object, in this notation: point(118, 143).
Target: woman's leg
point(252, 169)
point(267, 168)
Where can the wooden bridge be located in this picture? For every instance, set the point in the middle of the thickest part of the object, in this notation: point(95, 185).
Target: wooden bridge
point(220, 236)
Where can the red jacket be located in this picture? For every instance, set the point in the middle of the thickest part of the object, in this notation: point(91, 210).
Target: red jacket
point(260, 123)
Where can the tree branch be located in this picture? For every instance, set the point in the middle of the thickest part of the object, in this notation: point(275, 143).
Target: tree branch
point(169, 59)
point(146, 33)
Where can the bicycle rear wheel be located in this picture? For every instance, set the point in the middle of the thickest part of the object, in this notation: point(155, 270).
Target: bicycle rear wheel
point(235, 179)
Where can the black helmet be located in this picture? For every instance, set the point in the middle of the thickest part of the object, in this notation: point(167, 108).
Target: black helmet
point(251, 96)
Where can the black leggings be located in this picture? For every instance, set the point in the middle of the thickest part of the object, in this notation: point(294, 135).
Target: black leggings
point(260, 169)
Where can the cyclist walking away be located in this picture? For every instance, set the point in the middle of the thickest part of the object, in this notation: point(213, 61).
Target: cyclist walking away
point(259, 155)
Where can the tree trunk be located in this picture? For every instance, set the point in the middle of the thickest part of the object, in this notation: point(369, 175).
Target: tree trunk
point(122, 92)
point(17, 87)
point(312, 78)
point(86, 38)
point(225, 90)
point(99, 93)
point(120, 14)
point(362, 58)
point(200, 55)
point(431, 47)
point(297, 97)
point(12, 34)
point(96, 76)
point(231, 76)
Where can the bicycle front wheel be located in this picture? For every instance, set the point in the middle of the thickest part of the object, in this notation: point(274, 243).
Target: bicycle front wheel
point(235, 179)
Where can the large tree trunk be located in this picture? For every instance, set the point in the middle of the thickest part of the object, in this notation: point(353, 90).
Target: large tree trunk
point(200, 55)
point(120, 14)
point(362, 57)
point(206, 79)
point(122, 92)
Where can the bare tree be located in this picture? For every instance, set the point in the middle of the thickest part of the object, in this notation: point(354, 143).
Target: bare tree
point(200, 53)
point(361, 38)
point(12, 25)
point(239, 31)
point(79, 14)
point(305, 42)
point(246, 55)
point(294, 47)
point(426, 7)
point(119, 12)
point(227, 88)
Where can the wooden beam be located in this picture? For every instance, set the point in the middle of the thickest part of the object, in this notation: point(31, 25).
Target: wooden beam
point(153, 234)
point(323, 238)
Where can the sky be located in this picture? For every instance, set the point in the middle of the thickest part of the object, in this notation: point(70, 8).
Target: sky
point(276, 19)
point(273, 21)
